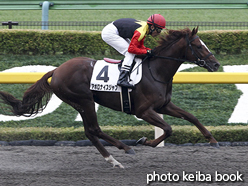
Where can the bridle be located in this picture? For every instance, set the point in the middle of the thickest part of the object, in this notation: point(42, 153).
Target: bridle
point(200, 62)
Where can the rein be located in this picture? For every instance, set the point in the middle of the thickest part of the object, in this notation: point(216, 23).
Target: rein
point(200, 62)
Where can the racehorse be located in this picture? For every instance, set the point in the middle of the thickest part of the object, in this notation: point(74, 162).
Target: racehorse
point(152, 95)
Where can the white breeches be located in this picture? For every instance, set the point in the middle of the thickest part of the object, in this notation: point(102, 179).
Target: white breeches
point(111, 36)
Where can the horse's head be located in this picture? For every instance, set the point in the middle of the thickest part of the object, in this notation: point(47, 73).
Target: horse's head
point(199, 53)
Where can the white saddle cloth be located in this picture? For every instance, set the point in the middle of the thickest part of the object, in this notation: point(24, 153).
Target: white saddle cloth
point(105, 76)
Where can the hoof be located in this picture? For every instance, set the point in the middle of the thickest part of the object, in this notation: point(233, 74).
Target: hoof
point(215, 145)
point(141, 140)
point(130, 151)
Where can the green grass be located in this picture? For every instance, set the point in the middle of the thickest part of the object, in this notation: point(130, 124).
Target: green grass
point(216, 15)
point(212, 104)
point(181, 134)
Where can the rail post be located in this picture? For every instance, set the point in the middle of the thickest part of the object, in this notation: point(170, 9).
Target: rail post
point(45, 14)
point(10, 23)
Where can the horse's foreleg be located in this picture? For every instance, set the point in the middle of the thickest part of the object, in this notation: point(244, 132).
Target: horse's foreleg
point(173, 110)
point(153, 118)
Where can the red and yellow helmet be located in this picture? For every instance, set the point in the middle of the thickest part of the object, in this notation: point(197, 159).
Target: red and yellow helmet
point(157, 20)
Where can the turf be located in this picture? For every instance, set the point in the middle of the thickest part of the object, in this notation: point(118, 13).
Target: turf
point(216, 15)
point(211, 103)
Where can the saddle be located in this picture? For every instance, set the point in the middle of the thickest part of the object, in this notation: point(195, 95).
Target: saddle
point(115, 61)
point(119, 62)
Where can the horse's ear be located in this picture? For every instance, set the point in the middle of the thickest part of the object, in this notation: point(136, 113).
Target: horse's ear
point(194, 31)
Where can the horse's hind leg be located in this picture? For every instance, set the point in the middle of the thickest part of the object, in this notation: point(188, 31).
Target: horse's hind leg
point(95, 141)
point(86, 108)
point(93, 131)
point(173, 110)
point(93, 128)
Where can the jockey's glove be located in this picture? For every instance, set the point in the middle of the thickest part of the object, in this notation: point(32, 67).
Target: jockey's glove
point(149, 53)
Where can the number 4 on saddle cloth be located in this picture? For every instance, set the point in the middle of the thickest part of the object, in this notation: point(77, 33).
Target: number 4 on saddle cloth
point(105, 76)
point(106, 73)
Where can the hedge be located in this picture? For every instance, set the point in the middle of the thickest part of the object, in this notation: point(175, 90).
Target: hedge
point(181, 134)
point(90, 43)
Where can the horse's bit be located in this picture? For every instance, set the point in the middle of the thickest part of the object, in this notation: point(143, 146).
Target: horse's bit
point(200, 62)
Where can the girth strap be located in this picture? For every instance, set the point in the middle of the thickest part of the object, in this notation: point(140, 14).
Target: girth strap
point(125, 100)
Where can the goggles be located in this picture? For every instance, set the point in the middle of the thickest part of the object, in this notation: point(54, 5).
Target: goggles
point(159, 30)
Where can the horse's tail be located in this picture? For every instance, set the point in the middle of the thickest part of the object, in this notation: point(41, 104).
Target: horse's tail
point(34, 100)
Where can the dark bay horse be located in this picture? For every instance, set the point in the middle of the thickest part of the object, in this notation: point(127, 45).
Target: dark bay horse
point(71, 83)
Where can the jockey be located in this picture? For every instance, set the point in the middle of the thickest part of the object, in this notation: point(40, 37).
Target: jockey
point(118, 34)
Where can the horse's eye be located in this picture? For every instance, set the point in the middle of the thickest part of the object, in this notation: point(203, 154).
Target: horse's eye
point(199, 46)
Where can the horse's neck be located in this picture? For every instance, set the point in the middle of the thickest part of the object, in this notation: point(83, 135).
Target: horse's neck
point(171, 67)
point(167, 68)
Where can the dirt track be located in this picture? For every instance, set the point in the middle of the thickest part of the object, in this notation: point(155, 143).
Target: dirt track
point(64, 166)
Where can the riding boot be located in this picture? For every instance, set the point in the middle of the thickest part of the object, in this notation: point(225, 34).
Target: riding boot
point(123, 80)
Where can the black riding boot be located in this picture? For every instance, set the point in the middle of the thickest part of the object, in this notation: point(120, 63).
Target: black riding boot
point(123, 80)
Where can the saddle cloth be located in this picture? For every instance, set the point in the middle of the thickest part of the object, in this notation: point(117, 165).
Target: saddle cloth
point(105, 76)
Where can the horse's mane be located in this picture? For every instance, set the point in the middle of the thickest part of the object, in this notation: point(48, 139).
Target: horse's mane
point(169, 37)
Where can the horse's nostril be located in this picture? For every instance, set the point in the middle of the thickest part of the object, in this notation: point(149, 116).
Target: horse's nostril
point(216, 65)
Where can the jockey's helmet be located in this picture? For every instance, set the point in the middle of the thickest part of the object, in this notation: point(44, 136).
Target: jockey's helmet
point(157, 20)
